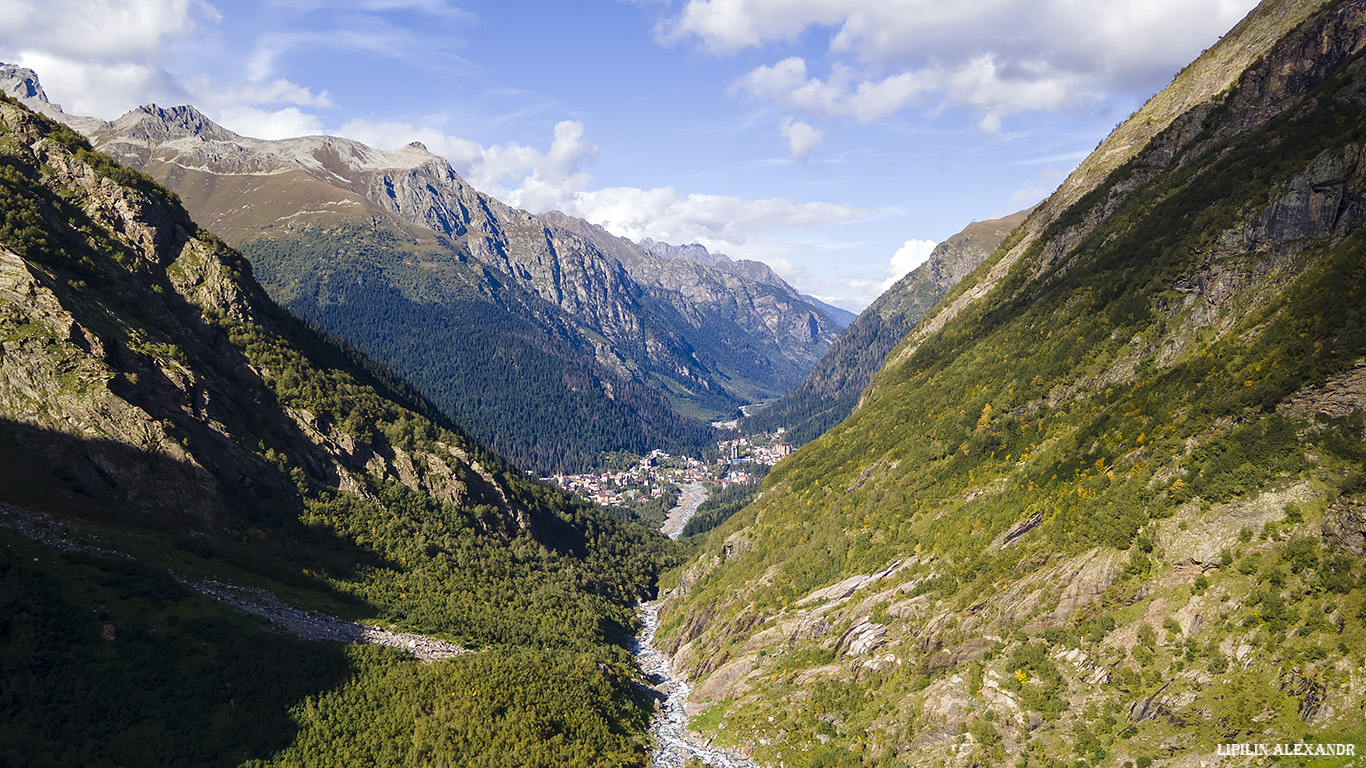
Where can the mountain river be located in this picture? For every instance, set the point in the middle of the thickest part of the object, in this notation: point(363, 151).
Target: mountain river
point(676, 744)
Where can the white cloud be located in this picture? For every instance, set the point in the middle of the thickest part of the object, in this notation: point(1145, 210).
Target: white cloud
point(735, 226)
point(995, 58)
point(788, 85)
point(858, 293)
point(104, 90)
point(106, 55)
point(729, 25)
point(519, 175)
point(277, 91)
point(802, 139)
point(543, 180)
point(262, 124)
point(103, 30)
point(909, 256)
point(389, 134)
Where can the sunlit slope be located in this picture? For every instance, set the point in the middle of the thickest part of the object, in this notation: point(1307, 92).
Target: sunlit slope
point(1070, 449)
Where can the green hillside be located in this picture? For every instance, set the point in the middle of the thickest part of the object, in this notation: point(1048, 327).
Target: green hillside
point(1105, 504)
point(162, 422)
point(831, 389)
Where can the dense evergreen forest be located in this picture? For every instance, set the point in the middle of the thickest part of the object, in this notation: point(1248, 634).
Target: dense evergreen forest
point(485, 364)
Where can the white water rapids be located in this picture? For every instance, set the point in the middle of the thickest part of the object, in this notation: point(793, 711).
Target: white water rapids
point(670, 727)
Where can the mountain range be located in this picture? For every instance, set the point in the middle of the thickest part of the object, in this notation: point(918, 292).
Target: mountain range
point(593, 343)
point(1104, 504)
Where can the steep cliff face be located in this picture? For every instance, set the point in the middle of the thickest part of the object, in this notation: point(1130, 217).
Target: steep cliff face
point(830, 390)
point(742, 319)
point(1104, 500)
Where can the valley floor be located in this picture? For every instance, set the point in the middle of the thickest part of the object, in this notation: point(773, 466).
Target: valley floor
point(693, 496)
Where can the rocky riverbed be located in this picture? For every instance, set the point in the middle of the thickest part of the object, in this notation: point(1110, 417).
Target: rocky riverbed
point(676, 745)
point(693, 496)
point(311, 625)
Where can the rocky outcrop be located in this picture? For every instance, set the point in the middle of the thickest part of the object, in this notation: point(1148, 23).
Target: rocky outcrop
point(1344, 526)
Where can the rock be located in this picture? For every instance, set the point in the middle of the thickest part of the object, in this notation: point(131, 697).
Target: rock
point(1016, 531)
point(846, 588)
point(1087, 578)
point(808, 676)
point(882, 664)
point(861, 639)
point(735, 546)
point(911, 608)
point(1344, 526)
point(721, 683)
point(1209, 533)
point(1341, 395)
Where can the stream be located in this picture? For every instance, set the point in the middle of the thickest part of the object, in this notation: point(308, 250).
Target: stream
point(675, 744)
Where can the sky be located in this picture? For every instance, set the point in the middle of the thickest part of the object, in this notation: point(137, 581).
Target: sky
point(835, 140)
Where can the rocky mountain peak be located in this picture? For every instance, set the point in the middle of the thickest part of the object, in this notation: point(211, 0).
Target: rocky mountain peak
point(21, 83)
point(698, 253)
point(164, 124)
point(692, 252)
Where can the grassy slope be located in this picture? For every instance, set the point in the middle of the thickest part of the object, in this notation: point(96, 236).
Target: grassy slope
point(1104, 393)
point(831, 389)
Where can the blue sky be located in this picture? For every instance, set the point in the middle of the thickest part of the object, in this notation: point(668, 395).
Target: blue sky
point(836, 140)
